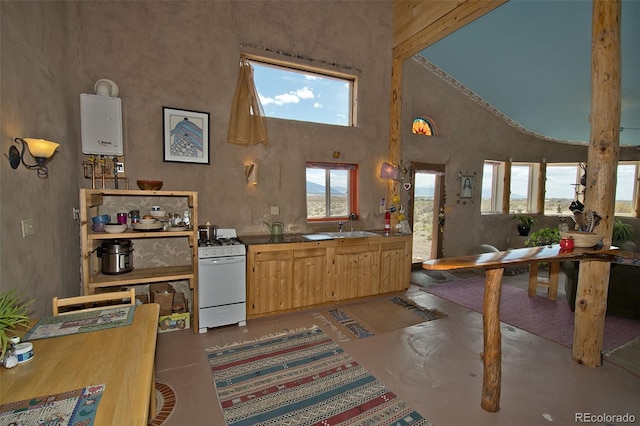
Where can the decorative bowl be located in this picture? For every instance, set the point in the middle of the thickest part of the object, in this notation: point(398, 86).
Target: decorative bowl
point(147, 221)
point(149, 185)
point(582, 239)
point(115, 228)
point(158, 214)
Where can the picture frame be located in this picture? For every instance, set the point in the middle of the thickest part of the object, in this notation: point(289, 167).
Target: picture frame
point(186, 136)
point(466, 186)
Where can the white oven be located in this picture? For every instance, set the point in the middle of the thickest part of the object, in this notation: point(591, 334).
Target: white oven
point(222, 287)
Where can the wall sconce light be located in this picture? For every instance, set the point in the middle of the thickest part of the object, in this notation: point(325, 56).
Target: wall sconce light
point(40, 149)
point(388, 171)
point(251, 172)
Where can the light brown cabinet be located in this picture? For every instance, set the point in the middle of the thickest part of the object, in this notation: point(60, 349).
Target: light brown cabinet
point(181, 258)
point(285, 277)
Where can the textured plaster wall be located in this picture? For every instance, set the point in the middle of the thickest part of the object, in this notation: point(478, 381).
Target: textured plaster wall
point(37, 94)
point(186, 55)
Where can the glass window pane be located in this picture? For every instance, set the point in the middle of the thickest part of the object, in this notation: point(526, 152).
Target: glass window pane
point(519, 197)
point(625, 187)
point(304, 96)
point(561, 188)
point(487, 204)
point(339, 191)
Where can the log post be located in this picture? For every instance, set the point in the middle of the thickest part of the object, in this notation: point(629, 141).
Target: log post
point(602, 161)
point(394, 128)
point(492, 355)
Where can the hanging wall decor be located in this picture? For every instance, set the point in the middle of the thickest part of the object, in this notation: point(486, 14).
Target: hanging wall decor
point(186, 136)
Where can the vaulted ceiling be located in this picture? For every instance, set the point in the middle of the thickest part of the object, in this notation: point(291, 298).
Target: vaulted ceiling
point(530, 59)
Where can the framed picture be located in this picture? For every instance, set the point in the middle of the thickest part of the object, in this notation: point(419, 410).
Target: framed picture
point(186, 136)
point(466, 186)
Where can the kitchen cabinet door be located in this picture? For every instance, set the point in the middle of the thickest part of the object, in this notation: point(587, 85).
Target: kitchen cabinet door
point(309, 277)
point(395, 266)
point(270, 282)
point(355, 272)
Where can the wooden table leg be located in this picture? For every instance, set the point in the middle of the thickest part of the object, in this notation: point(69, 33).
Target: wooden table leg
point(533, 279)
point(554, 273)
point(492, 355)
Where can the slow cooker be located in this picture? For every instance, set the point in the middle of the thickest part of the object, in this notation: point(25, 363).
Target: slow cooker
point(116, 256)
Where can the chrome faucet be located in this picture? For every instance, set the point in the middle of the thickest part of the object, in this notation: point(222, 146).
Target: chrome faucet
point(352, 216)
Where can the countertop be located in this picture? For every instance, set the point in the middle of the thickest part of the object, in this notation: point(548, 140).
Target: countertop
point(292, 238)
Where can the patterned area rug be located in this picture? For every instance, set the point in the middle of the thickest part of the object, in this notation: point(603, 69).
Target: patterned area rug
point(165, 403)
point(370, 317)
point(302, 378)
point(73, 408)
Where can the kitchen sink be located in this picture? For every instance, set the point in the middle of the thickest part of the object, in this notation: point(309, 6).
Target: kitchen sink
point(333, 235)
point(351, 234)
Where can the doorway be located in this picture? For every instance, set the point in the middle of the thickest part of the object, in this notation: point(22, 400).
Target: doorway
point(427, 210)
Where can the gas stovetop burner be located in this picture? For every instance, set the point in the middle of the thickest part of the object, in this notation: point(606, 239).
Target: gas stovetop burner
point(227, 244)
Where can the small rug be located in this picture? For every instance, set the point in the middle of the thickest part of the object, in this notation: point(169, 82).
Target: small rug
point(165, 403)
point(551, 319)
point(370, 317)
point(73, 408)
point(82, 322)
point(302, 378)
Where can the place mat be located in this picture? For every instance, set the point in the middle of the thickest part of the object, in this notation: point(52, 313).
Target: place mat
point(302, 378)
point(371, 317)
point(74, 408)
point(81, 322)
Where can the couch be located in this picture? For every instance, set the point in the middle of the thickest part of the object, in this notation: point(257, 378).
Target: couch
point(624, 289)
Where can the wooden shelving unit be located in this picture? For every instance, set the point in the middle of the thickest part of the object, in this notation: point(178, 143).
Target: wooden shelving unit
point(94, 202)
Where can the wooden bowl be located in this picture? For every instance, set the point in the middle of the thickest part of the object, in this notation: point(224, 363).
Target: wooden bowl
point(149, 185)
point(582, 239)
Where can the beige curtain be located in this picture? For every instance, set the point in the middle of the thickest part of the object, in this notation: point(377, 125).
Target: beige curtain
point(247, 124)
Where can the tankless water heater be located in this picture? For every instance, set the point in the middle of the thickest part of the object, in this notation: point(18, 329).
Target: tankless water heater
point(101, 123)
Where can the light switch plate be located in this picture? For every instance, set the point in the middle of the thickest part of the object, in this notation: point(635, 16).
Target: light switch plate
point(275, 210)
point(27, 227)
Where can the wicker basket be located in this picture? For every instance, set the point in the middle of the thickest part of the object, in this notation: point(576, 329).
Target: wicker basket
point(582, 239)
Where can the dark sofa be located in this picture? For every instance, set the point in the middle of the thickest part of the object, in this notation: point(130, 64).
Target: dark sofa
point(624, 289)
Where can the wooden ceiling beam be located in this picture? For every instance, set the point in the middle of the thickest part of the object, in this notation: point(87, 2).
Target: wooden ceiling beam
point(418, 24)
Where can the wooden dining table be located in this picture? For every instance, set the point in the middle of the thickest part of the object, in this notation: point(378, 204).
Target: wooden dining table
point(494, 264)
point(122, 358)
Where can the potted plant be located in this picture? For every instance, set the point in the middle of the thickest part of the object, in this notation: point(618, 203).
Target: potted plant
point(623, 236)
point(524, 224)
point(543, 237)
point(12, 314)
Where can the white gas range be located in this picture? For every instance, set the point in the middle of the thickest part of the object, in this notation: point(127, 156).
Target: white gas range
point(222, 291)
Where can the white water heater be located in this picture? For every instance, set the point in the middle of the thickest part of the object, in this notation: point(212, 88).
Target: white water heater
point(101, 122)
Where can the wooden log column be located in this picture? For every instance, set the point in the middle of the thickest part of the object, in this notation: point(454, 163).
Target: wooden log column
point(602, 160)
point(492, 355)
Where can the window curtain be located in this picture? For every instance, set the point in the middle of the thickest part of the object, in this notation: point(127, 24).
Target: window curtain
point(247, 124)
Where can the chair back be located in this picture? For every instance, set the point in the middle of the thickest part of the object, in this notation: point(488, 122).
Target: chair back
point(93, 302)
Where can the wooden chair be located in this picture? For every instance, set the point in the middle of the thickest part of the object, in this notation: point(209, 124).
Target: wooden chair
point(87, 303)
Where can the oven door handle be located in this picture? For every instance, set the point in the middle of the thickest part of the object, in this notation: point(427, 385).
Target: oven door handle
point(222, 260)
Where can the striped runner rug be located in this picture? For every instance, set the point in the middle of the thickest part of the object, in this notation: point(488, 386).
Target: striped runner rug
point(302, 378)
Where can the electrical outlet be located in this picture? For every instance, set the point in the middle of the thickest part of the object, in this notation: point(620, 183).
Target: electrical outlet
point(275, 211)
point(120, 167)
point(27, 227)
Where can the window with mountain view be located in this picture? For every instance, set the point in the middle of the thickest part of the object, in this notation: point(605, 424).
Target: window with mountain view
point(331, 191)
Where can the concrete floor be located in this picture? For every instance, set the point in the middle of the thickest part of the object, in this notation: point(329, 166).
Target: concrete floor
point(434, 366)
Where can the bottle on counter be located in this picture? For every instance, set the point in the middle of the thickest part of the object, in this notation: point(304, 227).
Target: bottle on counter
point(387, 223)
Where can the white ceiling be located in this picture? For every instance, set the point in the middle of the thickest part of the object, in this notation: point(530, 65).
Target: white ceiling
point(531, 59)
